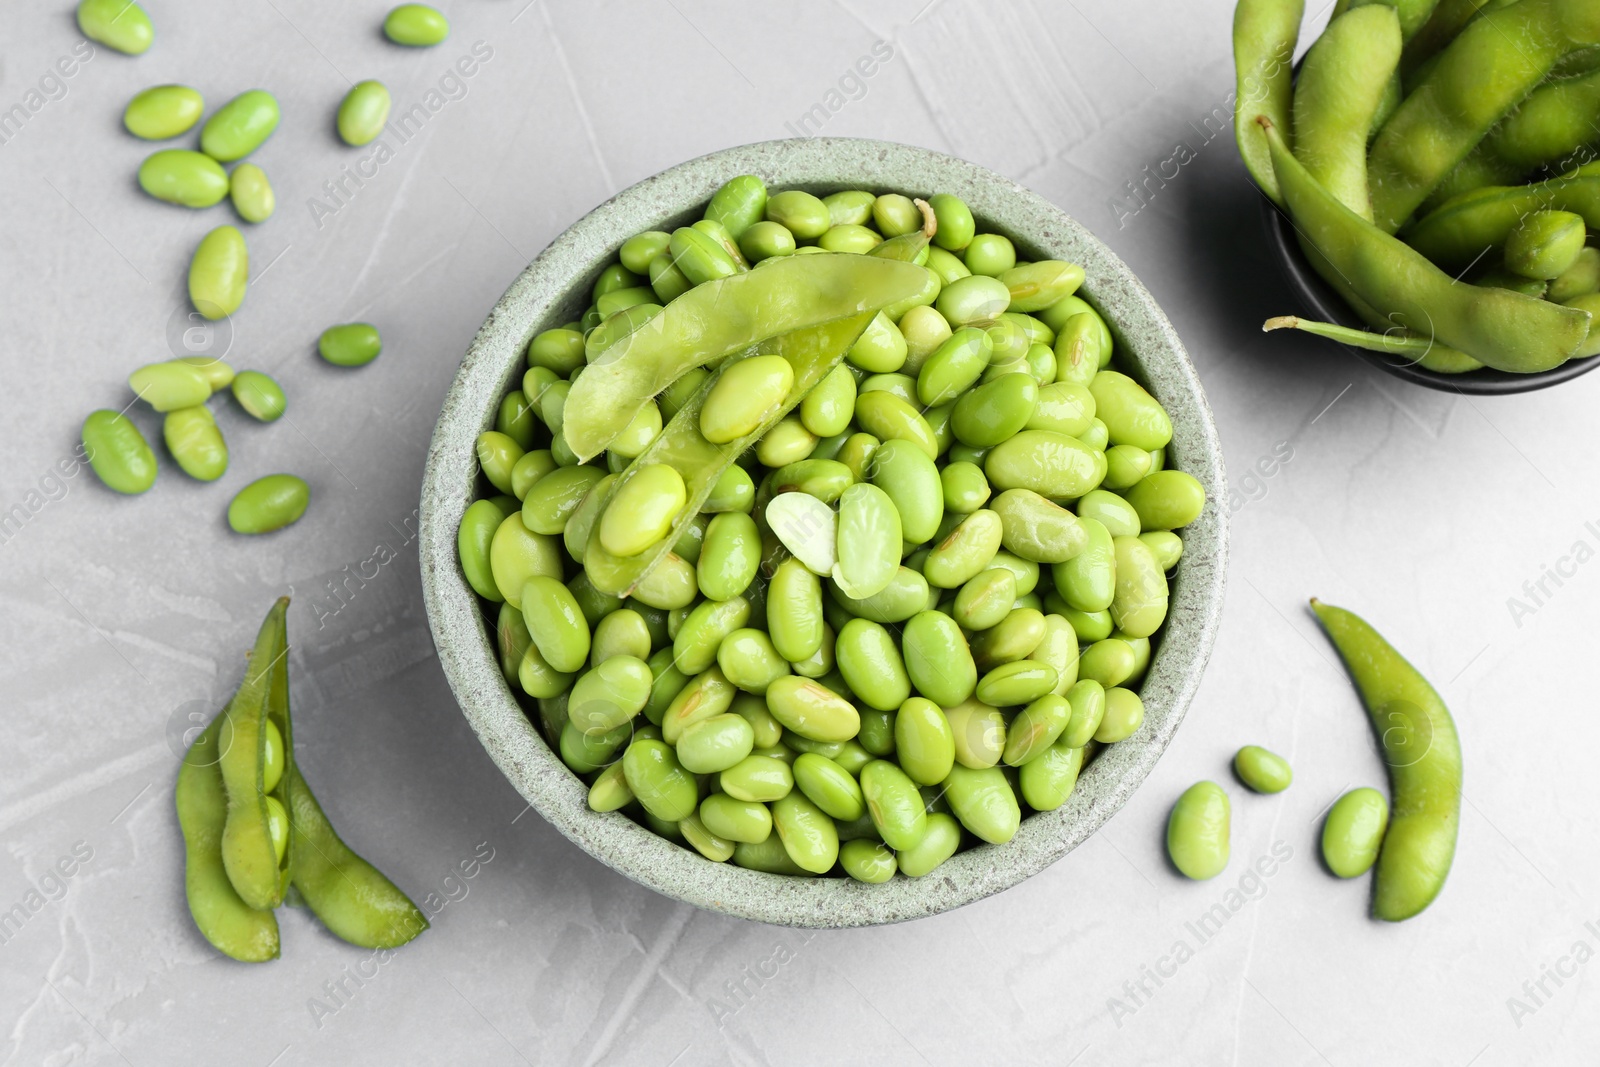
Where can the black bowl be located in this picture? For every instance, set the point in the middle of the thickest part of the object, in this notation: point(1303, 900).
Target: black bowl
point(1326, 304)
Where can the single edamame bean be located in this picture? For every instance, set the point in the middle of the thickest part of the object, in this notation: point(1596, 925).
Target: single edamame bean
point(1051, 464)
point(749, 661)
point(802, 213)
point(1132, 416)
point(660, 783)
point(895, 214)
point(1087, 581)
point(195, 442)
point(732, 491)
point(1065, 407)
point(609, 791)
point(757, 779)
point(954, 366)
point(268, 504)
point(965, 552)
point(1139, 603)
point(218, 273)
point(940, 839)
point(498, 456)
point(1197, 831)
point(954, 219)
point(881, 348)
point(251, 193)
point(739, 204)
point(561, 350)
point(637, 251)
point(985, 599)
point(1014, 638)
point(706, 694)
point(853, 206)
point(240, 126)
point(1124, 714)
point(979, 732)
point(170, 385)
point(1037, 529)
point(1166, 546)
point(787, 442)
point(700, 256)
point(1109, 662)
point(894, 805)
point(1017, 682)
point(829, 786)
point(1261, 770)
point(363, 113)
point(812, 710)
point(1047, 782)
point(972, 299)
point(766, 240)
point(1035, 729)
point(260, 396)
point(1037, 286)
point(118, 24)
point(162, 112)
point(180, 176)
point(353, 344)
point(621, 633)
point(990, 254)
point(552, 500)
point(713, 745)
point(1167, 500)
point(849, 238)
point(745, 395)
point(869, 540)
point(982, 800)
point(709, 845)
point(964, 487)
point(923, 741)
point(730, 555)
point(517, 554)
point(1353, 832)
point(558, 626)
point(938, 659)
point(867, 861)
point(702, 632)
point(872, 666)
point(1126, 466)
point(641, 512)
point(416, 25)
point(744, 821)
point(118, 452)
point(808, 835)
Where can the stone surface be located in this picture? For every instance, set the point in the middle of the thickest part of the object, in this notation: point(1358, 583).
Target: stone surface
point(125, 620)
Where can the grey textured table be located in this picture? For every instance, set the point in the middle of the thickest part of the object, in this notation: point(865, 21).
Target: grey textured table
point(1437, 516)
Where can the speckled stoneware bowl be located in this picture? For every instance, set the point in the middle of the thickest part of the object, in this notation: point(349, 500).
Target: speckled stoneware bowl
point(554, 289)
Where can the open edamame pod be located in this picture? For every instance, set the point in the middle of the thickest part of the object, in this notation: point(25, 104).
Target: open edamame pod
point(1503, 329)
point(1423, 756)
point(247, 934)
point(715, 319)
point(248, 852)
point(682, 445)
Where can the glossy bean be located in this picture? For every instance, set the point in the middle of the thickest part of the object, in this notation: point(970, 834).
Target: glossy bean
point(268, 504)
point(979, 733)
point(1261, 770)
point(416, 25)
point(181, 176)
point(659, 781)
point(1124, 714)
point(1047, 782)
point(1353, 832)
point(1051, 464)
point(965, 552)
point(218, 273)
point(195, 442)
point(240, 126)
point(981, 798)
point(363, 113)
point(938, 660)
point(812, 710)
point(894, 804)
point(1197, 831)
point(118, 452)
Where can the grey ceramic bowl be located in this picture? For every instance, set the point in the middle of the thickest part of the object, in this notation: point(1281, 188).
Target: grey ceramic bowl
point(554, 289)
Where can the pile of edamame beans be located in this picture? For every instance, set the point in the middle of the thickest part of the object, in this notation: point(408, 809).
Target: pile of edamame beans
point(1396, 151)
point(220, 267)
point(828, 539)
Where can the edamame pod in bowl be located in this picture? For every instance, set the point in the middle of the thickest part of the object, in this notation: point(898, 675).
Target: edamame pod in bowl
point(825, 596)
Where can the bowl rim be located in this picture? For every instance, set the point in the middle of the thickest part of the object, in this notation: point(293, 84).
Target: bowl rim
point(543, 295)
point(1327, 305)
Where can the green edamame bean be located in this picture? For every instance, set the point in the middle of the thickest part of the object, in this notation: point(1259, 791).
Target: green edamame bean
point(1017, 682)
point(964, 487)
point(1051, 464)
point(876, 738)
point(849, 238)
point(666, 279)
point(473, 538)
point(363, 113)
point(660, 783)
point(744, 821)
point(978, 731)
point(825, 479)
point(803, 214)
point(195, 442)
point(923, 329)
point(517, 420)
point(732, 491)
point(1037, 529)
point(829, 786)
point(641, 512)
point(251, 193)
point(880, 349)
point(163, 111)
point(1035, 729)
point(709, 845)
point(1126, 466)
point(1047, 782)
point(745, 395)
point(853, 206)
point(557, 624)
point(609, 791)
point(985, 599)
point(812, 710)
point(901, 385)
point(1124, 714)
point(904, 596)
point(808, 835)
point(1263, 771)
point(665, 685)
point(700, 256)
point(118, 24)
point(1353, 832)
point(1059, 648)
point(739, 204)
point(1037, 286)
point(787, 442)
point(1139, 603)
point(637, 251)
point(1064, 407)
point(829, 407)
point(170, 385)
point(498, 456)
point(940, 838)
point(560, 350)
point(552, 500)
point(713, 745)
point(1197, 831)
point(954, 366)
point(354, 344)
point(730, 555)
point(965, 552)
point(618, 300)
point(1132, 416)
point(954, 221)
point(912, 483)
point(580, 524)
point(118, 452)
point(621, 633)
point(586, 752)
point(702, 633)
point(982, 800)
point(1167, 500)
point(895, 214)
point(240, 126)
point(218, 273)
point(181, 176)
point(794, 611)
point(887, 417)
point(894, 804)
point(1165, 546)
point(416, 25)
point(757, 779)
point(867, 861)
point(1090, 626)
point(1088, 700)
point(821, 662)
point(768, 856)
point(517, 554)
point(990, 254)
point(1013, 638)
point(766, 240)
point(749, 661)
point(1087, 581)
point(268, 504)
point(872, 666)
point(1025, 571)
point(869, 540)
point(946, 266)
point(1110, 662)
point(973, 299)
point(938, 660)
point(923, 741)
